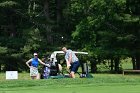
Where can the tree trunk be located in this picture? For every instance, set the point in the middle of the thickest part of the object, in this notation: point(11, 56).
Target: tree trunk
point(134, 62)
point(116, 60)
point(46, 9)
point(47, 26)
point(138, 62)
point(13, 30)
point(58, 8)
point(0, 67)
point(111, 64)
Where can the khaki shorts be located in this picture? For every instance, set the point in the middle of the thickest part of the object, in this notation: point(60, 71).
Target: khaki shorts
point(33, 71)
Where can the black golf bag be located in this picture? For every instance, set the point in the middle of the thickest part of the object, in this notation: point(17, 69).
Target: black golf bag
point(85, 70)
point(54, 69)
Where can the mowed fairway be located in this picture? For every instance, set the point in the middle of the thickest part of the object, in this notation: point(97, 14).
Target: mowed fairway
point(101, 83)
point(76, 89)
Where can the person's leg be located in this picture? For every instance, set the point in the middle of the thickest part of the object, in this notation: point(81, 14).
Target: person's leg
point(74, 69)
point(38, 76)
point(60, 68)
point(72, 74)
point(33, 77)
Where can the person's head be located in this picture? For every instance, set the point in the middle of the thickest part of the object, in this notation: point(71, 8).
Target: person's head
point(64, 49)
point(43, 58)
point(35, 55)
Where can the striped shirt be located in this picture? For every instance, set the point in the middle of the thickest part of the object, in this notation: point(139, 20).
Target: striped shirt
point(74, 57)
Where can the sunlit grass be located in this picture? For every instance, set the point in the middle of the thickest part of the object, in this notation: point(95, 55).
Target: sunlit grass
point(127, 63)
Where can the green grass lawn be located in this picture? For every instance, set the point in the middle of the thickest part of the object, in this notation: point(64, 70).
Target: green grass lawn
point(101, 83)
point(76, 89)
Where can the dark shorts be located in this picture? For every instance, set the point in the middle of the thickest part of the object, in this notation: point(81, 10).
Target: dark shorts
point(74, 66)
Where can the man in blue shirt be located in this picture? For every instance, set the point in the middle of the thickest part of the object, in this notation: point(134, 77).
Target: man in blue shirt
point(72, 61)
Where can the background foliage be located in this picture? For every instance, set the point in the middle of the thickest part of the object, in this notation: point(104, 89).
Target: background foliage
point(106, 29)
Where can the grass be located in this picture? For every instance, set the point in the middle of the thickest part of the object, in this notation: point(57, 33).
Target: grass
point(22, 76)
point(101, 83)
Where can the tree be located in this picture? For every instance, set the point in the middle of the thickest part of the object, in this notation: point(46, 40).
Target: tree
point(102, 31)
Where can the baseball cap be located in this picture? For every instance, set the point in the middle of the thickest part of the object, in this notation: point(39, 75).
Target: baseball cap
point(35, 54)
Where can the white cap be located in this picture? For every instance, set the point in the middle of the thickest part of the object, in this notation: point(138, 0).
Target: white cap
point(35, 54)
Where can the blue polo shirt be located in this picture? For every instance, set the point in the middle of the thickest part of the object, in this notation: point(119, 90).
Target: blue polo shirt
point(34, 62)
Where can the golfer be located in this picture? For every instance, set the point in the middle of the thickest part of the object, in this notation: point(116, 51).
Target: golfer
point(34, 66)
point(72, 61)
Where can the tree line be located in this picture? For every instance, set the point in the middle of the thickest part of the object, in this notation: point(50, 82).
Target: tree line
point(106, 29)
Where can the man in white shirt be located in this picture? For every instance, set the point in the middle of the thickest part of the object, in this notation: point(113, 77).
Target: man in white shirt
point(72, 61)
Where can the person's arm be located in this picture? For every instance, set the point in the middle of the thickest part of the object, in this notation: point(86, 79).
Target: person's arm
point(68, 64)
point(70, 57)
point(69, 60)
point(27, 63)
point(43, 63)
point(60, 67)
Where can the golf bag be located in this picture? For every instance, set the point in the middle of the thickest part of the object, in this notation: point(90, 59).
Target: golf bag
point(85, 70)
point(54, 69)
point(49, 71)
point(46, 72)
